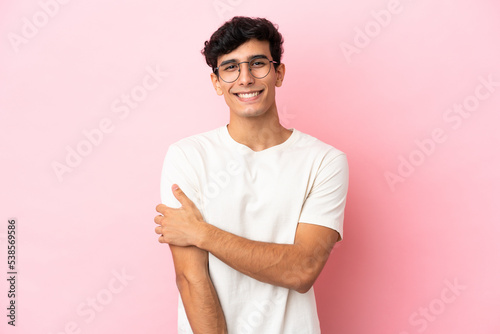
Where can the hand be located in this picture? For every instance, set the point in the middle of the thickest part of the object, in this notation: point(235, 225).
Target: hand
point(182, 226)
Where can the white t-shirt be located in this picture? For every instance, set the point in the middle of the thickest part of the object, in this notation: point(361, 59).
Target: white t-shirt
point(261, 196)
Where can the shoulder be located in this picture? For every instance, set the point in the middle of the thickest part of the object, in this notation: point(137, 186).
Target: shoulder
point(318, 148)
point(195, 144)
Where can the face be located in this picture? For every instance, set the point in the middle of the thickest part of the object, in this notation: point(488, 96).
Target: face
point(250, 105)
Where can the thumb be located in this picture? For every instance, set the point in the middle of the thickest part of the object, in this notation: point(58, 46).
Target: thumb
point(179, 194)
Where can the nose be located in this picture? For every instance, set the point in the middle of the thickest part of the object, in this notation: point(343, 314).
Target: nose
point(245, 76)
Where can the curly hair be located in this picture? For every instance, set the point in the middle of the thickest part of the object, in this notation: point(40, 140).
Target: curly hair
point(236, 32)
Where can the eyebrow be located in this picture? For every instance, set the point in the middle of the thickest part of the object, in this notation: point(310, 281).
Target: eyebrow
point(236, 60)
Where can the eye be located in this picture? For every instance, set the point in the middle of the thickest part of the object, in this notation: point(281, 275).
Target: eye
point(229, 67)
point(258, 63)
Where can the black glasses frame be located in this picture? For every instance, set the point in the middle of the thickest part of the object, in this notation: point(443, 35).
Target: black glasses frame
point(249, 69)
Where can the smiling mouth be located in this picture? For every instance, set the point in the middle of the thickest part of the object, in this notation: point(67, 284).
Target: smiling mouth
point(248, 95)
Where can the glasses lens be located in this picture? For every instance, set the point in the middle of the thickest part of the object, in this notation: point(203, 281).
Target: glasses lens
point(260, 68)
point(229, 72)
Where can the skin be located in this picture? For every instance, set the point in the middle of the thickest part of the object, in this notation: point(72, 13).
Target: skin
point(254, 123)
point(198, 294)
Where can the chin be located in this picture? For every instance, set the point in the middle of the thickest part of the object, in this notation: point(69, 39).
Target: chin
point(251, 112)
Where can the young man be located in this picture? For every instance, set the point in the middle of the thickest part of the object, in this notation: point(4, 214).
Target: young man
point(251, 210)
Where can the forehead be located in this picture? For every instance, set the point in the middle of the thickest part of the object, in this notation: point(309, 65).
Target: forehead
point(246, 50)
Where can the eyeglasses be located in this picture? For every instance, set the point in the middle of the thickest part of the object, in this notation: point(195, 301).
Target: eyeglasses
point(259, 69)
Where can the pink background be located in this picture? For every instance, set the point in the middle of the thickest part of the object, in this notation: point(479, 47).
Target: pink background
point(406, 242)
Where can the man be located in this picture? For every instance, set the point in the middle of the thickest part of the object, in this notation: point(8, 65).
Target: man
point(251, 210)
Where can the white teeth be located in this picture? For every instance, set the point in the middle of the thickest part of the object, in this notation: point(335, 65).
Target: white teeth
point(246, 96)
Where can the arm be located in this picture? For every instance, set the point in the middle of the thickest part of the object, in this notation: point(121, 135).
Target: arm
point(197, 291)
point(295, 266)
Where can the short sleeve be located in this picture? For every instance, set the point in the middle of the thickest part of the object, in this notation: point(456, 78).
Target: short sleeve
point(177, 169)
point(326, 201)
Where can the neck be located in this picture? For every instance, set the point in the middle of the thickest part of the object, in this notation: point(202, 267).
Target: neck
point(258, 133)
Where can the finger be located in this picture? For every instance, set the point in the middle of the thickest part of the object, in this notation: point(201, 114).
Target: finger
point(161, 239)
point(180, 195)
point(158, 219)
point(161, 208)
point(158, 230)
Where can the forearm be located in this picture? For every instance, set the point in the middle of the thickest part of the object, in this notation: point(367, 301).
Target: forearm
point(294, 266)
point(285, 265)
point(198, 294)
point(202, 307)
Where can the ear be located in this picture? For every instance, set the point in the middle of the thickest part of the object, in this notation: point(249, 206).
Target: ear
point(216, 83)
point(280, 74)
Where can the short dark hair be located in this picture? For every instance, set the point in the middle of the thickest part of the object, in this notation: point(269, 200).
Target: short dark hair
point(238, 31)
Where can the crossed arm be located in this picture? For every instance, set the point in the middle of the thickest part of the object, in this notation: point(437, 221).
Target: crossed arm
point(198, 294)
point(295, 266)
